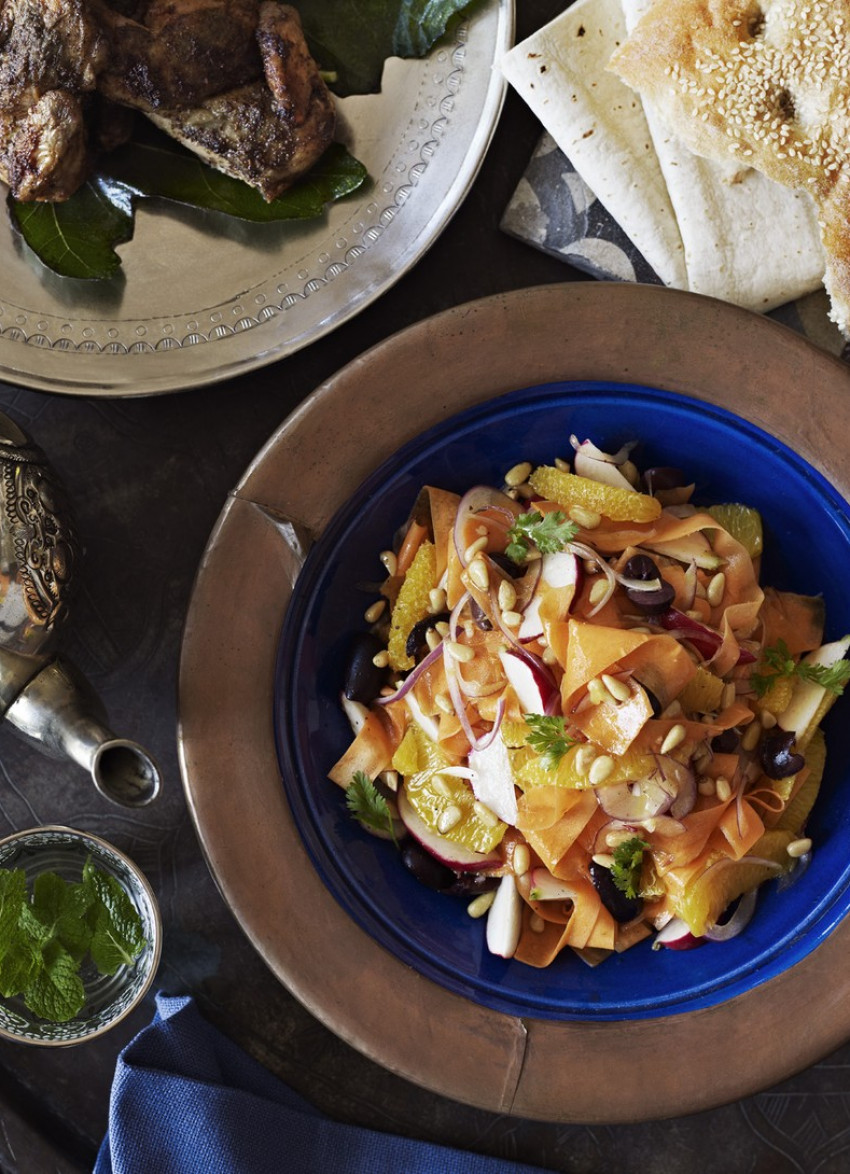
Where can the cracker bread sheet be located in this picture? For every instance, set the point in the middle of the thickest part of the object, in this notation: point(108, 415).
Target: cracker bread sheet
point(599, 124)
point(747, 239)
point(708, 227)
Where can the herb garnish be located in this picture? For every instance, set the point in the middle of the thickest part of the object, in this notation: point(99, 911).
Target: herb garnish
point(46, 935)
point(628, 865)
point(549, 533)
point(549, 737)
point(368, 805)
point(777, 657)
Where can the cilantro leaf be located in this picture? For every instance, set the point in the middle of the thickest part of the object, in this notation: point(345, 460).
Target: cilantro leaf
point(368, 805)
point(834, 677)
point(549, 533)
point(628, 865)
point(548, 737)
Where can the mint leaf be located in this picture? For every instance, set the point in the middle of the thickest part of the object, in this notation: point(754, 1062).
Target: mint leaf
point(55, 991)
point(62, 907)
point(117, 937)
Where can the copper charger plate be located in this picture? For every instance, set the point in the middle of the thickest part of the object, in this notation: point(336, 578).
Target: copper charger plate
point(537, 1069)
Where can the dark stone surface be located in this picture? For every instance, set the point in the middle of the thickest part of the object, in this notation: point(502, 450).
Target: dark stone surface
point(148, 478)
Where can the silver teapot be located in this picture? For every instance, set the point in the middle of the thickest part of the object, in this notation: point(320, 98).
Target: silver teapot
point(42, 695)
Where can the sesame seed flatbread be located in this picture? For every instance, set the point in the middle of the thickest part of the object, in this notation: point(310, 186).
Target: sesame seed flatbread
point(767, 84)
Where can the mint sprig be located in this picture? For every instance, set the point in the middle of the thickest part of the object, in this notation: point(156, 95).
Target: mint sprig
point(46, 936)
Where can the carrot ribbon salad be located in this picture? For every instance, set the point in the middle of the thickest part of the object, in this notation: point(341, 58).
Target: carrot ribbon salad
point(578, 708)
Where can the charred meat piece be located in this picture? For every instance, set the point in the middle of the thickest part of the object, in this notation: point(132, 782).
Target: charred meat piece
point(270, 132)
point(50, 54)
point(181, 53)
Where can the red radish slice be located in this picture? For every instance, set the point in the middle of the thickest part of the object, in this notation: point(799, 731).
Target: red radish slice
point(532, 682)
point(676, 935)
point(559, 571)
point(493, 780)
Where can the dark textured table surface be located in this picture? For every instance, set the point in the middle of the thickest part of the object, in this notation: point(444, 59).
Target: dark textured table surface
point(148, 478)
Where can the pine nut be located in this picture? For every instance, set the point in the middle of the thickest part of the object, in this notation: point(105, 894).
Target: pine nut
point(706, 787)
point(798, 848)
point(460, 652)
point(768, 719)
point(436, 600)
point(518, 474)
point(716, 588)
point(449, 818)
point(381, 659)
point(600, 769)
point(693, 614)
point(474, 548)
point(605, 859)
point(521, 860)
point(374, 613)
point(479, 905)
point(598, 591)
point(511, 619)
point(432, 638)
point(478, 573)
point(584, 757)
point(750, 736)
point(587, 519)
point(536, 923)
point(442, 627)
point(507, 595)
point(618, 689)
point(485, 814)
point(614, 839)
point(597, 692)
point(390, 777)
point(443, 703)
point(675, 737)
point(390, 562)
point(548, 656)
point(728, 695)
point(561, 464)
point(723, 788)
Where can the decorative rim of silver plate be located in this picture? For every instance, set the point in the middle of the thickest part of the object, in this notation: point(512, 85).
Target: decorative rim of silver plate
point(273, 288)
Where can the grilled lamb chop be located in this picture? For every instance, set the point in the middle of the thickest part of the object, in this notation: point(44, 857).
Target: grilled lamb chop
point(270, 131)
point(50, 55)
point(180, 53)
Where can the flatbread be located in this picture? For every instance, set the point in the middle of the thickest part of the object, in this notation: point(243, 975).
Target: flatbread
point(599, 124)
point(767, 84)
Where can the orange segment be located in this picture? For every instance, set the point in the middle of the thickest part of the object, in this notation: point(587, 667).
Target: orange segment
point(702, 901)
point(411, 606)
point(530, 771)
point(569, 489)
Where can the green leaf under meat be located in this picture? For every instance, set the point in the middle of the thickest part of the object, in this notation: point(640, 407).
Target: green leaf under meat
point(354, 40)
point(78, 237)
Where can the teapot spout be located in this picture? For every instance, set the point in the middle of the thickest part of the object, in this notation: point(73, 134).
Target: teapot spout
point(59, 712)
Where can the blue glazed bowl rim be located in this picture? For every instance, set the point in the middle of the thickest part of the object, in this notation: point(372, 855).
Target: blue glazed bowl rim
point(331, 866)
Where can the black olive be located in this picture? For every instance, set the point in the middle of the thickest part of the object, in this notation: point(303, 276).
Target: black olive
point(417, 645)
point(362, 679)
point(726, 742)
point(663, 477)
point(507, 565)
point(650, 603)
point(469, 884)
point(641, 566)
point(621, 907)
point(778, 755)
point(479, 616)
point(427, 869)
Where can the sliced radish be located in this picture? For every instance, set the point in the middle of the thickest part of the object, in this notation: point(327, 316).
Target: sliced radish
point(676, 935)
point(356, 712)
point(592, 462)
point(559, 571)
point(493, 780)
point(453, 855)
point(805, 705)
point(504, 920)
point(532, 682)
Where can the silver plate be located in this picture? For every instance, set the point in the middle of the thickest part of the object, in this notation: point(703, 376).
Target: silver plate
point(204, 297)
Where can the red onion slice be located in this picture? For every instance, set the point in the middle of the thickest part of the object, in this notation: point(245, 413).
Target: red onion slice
point(739, 920)
point(475, 501)
point(412, 677)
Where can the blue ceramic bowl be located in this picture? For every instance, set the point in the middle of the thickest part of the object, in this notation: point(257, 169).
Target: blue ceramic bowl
point(807, 540)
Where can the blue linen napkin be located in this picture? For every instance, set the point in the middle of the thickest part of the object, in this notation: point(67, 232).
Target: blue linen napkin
point(187, 1100)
